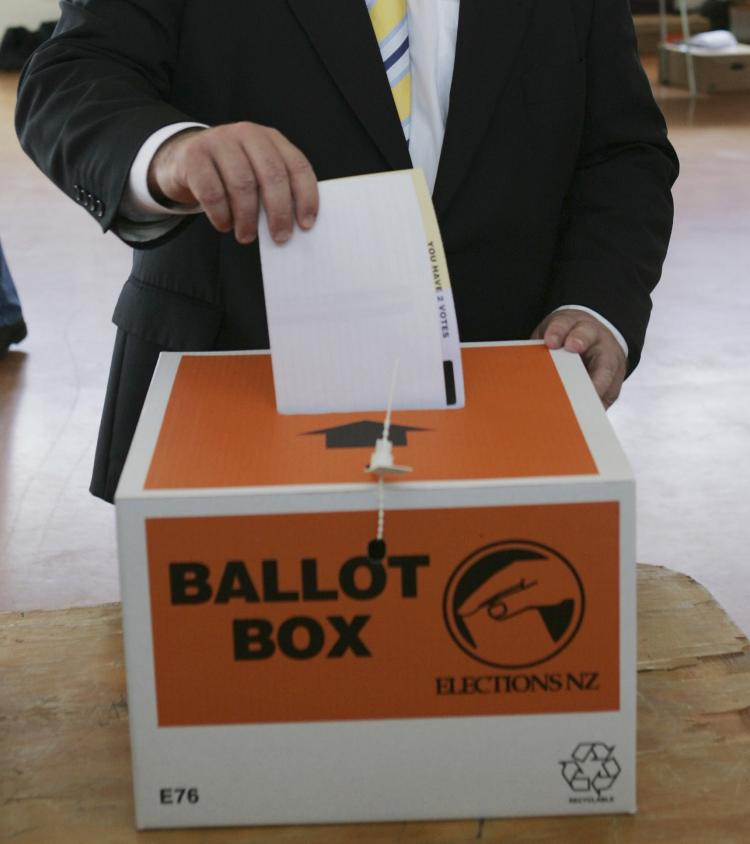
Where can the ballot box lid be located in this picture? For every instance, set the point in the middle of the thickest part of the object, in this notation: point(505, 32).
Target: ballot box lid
point(210, 423)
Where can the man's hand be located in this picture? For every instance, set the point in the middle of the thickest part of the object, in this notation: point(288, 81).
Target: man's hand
point(579, 332)
point(229, 170)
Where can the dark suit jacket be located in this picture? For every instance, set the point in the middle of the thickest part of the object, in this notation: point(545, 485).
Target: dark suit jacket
point(553, 186)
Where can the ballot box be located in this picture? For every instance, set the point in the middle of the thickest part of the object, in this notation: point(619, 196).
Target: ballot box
point(716, 71)
point(280, 670)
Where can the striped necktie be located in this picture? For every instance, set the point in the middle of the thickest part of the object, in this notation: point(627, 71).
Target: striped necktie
point(389, 21)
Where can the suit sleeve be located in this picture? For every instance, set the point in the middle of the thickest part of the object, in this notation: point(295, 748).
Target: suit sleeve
point(617, 217)
point(90, 96)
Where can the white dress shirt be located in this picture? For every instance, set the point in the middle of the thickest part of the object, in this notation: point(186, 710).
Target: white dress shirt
point(433, 25)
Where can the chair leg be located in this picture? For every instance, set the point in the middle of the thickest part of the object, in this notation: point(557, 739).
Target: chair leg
point(688, 53)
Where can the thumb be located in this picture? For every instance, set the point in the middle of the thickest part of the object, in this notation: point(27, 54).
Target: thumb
point(164, 183)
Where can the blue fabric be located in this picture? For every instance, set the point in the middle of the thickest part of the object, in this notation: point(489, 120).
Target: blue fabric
point(10, 306)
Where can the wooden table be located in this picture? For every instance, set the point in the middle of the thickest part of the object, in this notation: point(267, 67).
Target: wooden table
point(65, 760)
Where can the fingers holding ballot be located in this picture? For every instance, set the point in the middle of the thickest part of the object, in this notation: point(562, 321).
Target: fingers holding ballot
point(229, 171)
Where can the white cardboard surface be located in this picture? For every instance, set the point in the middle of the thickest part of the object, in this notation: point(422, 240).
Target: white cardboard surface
point(380, 769)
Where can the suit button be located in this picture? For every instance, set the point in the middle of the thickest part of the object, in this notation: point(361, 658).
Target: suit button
point(99, 208)
point(77, 192)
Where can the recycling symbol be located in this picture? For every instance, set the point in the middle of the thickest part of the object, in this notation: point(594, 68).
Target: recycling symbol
point(592, 767)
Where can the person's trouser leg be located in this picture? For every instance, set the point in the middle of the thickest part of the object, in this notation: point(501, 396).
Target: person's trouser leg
point(10, 306)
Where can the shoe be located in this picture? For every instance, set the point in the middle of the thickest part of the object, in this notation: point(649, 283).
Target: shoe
point(10, 334)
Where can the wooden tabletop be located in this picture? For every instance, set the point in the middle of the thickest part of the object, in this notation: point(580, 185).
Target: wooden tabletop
point(65, 758)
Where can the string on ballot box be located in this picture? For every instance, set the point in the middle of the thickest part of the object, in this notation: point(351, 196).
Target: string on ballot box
point(382, 464)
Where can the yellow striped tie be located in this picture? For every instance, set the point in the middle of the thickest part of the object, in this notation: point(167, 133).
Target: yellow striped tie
point(389, 21)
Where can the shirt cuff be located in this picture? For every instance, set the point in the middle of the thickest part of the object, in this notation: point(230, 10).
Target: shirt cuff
point(137, 204)
point(605, 322)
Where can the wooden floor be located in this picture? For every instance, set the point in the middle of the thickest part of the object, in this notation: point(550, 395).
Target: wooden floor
point(684, 417)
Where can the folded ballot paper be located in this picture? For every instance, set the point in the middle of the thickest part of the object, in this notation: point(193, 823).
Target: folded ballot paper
point(362, 294)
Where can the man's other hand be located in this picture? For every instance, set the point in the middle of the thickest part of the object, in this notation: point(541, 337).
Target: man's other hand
point(228, 170)
point(579, 332)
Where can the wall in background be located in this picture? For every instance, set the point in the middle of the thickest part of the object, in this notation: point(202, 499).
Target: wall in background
point(28, 13)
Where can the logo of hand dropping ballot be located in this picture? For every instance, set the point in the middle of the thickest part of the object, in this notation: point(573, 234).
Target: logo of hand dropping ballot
point(592, 767)
point(514, 604)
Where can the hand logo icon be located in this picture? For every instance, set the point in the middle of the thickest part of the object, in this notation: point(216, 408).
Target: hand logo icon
point(514, 604)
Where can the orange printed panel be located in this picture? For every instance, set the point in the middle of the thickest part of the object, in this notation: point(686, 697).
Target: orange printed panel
point(283, 618)
point(221, 428)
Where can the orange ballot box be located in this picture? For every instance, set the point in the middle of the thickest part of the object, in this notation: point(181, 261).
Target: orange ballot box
point(280, 671)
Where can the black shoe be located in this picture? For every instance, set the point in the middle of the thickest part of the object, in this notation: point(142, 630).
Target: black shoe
point(10, 334)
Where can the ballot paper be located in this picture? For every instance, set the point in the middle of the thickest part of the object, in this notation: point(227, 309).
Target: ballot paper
point(365, 288)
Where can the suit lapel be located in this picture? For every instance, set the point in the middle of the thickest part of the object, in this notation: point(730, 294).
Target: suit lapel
point(490, 33)
point(342, 35)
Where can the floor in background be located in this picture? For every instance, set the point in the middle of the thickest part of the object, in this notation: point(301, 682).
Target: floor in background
point(683, 418)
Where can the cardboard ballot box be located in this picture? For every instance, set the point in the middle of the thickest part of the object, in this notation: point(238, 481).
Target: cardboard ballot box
point(277, 674)
point(716, 71)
